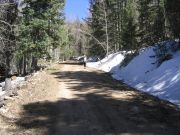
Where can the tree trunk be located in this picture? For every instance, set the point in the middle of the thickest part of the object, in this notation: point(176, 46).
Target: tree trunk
point(24, 65)
point(7, 65)
point(20, 67)
point(106, 28)
point(34, 63)
point(8, 86)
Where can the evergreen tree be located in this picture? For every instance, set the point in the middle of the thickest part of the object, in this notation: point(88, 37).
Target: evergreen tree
point(96, 25)
point(145, 28)
point(8, 20)
point(159, 21)
point(40, 28)
point(172, 8)
point(151, 21)
point(129, 29)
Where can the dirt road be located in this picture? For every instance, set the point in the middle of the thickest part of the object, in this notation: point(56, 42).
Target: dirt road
point(70, 100)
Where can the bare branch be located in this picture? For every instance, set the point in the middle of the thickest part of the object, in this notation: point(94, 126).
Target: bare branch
point(102, 45)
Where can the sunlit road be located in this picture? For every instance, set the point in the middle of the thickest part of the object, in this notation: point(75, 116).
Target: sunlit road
point(91, 103)
point(88, 102)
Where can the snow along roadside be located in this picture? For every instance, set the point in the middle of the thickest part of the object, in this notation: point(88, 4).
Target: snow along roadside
point(140, 73)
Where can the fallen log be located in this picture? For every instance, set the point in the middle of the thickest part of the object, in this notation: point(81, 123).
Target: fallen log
point(8, 98)
point(1, 102)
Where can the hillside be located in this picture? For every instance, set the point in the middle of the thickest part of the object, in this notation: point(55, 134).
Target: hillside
point(141, 73)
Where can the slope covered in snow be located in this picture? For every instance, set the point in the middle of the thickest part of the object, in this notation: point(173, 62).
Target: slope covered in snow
point(14, 83)
point(140, 73)
point(108, 63)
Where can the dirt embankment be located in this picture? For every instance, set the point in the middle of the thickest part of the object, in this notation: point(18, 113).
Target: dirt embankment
point(39, 88)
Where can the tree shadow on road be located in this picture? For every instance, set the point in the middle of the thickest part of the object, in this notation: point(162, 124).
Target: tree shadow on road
point(99, 113)
point(90, 80)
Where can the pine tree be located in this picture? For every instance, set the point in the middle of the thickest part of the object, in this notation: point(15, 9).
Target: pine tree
point(96, 25)
point(8, 21)
point(129, 30)
point(145, 27)
point(159, 21)
point(40, 29)
point(132, 24)
point(172, 8)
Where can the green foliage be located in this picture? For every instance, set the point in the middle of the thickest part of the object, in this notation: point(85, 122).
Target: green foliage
point(172, 8)
point(129, 41)
point(40, 31)
point(129, 29)
point(96, 25)
point(132, 24)
point(122, 25)
point(8, 22)
point(151, 21)
point(40, 27)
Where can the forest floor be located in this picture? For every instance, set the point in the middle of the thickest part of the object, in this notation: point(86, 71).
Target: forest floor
point(70, 100)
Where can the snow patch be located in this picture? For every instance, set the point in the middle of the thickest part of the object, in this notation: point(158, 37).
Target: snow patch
point(108, 64)
point(18, 81)
point(15, 83)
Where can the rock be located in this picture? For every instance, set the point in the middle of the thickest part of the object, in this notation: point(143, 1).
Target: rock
point(27, 77)
point(13, 78)
point(14, 93)
point(3, 110)
point(2, 84)
point(7, 84)
point(23, 86)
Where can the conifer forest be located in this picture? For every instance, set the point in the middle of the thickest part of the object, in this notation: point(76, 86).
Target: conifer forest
point(114, 72)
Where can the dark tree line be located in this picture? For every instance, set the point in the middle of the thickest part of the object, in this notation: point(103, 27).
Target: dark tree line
point(34, 30)
point(132, 24)
point(8, 21)
point(29, 31)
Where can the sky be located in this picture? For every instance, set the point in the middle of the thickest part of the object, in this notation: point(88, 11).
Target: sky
point(76, 9)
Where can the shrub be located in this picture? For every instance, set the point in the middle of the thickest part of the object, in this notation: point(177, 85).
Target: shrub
point(162, 53)
point(128, 58)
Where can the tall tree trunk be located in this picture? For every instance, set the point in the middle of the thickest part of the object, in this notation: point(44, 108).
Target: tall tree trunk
point(8, 66)
point(34, 63)
point(24, 65)
point(106, 28)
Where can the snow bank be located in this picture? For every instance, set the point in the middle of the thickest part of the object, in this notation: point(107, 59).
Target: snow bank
point(15, 83)
point(2, 93)
point(108, 64)
point(140, 73)
point(163, 82)
point(18, 81)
